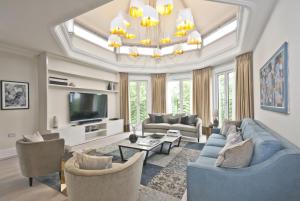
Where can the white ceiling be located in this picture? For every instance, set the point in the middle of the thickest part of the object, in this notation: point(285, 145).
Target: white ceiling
point(208, 16)
point(31, 24)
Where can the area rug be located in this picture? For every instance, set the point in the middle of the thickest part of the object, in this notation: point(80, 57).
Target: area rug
point(163, 177)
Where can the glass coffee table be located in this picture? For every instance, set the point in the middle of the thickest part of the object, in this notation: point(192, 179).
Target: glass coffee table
point(149, 144)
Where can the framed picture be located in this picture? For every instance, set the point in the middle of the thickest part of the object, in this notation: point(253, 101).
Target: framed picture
point(274, 82)
point(14, 95)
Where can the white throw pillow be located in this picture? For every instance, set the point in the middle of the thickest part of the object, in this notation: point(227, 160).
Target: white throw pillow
point(89, 162)
point(236, 156)
point(227, 127)
point(35, 137)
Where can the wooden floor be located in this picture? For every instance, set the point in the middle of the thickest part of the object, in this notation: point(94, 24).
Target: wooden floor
point(14, 187)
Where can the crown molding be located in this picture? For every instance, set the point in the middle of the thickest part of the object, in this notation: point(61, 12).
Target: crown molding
point(12, 49)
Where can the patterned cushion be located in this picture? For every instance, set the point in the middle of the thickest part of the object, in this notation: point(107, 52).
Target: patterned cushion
point(226, 126)
point(173, 120)
point(236, 156)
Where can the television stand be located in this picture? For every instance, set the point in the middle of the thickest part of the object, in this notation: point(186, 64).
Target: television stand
point(89, 121)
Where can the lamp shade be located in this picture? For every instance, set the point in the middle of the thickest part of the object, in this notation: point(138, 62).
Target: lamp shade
point(135, 9)
point(114, 41)
point(133, 51)
point(117, 26)
point(146, 41)
point(185, 20)
point(164, 7)
point(194, 38)
point(150, 17)
point(178, 49)
point(156, 53)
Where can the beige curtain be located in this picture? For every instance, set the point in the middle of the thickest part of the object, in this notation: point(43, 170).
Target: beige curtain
point(202, 94)
point(244, 86)
point(124, 102)
point(158, 82)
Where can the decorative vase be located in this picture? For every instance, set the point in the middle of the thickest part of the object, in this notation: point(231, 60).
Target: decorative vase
point(55, 122)
point(133, 138)
point(109, 86)
point(216, 123)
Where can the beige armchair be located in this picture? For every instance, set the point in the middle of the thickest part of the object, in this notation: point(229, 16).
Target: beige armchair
point(121, 182)
point(40, 158)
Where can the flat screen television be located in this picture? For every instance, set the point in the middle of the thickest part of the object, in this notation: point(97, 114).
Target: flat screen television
point(87, 106)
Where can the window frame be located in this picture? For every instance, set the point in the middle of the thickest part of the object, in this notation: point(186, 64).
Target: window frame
point(181, 78)
point(224, 70)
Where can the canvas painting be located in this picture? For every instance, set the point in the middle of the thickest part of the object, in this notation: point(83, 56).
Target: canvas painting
point(14, 95)
point(274, 82)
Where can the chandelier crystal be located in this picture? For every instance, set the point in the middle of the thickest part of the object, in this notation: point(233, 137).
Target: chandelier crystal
point(133, 51)
point(135, 9)
point(185, 20)
point(150, 17)
point(114, 41)
point(194, 38)
point(156, 53)
point(164, 7)
point(178, 49)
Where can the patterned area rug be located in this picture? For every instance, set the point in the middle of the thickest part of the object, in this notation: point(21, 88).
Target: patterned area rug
point(163, 177)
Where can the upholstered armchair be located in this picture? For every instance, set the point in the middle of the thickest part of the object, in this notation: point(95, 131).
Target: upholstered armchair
point(121, 182)
point(40, 158)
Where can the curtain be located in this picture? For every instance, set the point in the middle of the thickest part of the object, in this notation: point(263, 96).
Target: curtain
point(244, 86)
point(202, 94)
point(158, 82)
point(124, 100)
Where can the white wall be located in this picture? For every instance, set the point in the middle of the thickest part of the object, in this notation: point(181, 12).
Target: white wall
point(19, 122)
point(282, 26)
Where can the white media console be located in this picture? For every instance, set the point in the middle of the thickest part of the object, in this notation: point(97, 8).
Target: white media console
point(79, 134)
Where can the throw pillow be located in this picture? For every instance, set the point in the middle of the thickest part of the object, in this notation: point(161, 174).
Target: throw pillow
point(159, 119)
point(89, 162)
point(236, 156)
point(35, 137)
point(225, 127)
point(233, 138)
point(152, 118)
point(166, 117)
point(173, 120)
point(184, 120)
point(192, 120)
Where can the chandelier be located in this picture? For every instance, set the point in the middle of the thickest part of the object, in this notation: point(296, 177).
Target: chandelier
point(151, 16)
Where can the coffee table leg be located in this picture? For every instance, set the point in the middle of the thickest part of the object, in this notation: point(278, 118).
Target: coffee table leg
point(121, 153)
point(170, 146)
point(179, 140)
point(146, 157)
point(161, 147)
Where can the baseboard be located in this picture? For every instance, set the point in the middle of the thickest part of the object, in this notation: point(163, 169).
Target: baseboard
point(7, 153)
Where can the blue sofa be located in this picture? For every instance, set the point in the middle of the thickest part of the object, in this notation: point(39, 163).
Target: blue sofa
point(273, 175)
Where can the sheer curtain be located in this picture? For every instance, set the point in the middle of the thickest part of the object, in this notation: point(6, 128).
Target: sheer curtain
point(158, 82)
point(244, 86)
point(202, 94)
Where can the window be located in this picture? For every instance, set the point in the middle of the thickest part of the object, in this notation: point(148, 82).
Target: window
point(179, 96)
point(138, 101)
point(225, 95)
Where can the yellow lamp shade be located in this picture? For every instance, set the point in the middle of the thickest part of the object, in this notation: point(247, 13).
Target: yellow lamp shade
point(114, 41)
point(156, 53)
point(150, 17)
point(135, 9)
point(133, 52)
point(165, 40)
point(146, 41)
point(194, 38)
point(130, 36)
point(178, 50)
point(181, 33)
point(164, 7)
point(185, 20)
point(117, 26)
